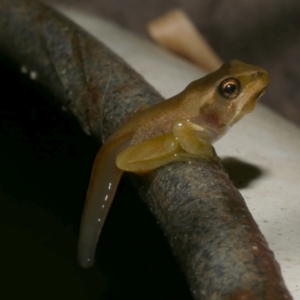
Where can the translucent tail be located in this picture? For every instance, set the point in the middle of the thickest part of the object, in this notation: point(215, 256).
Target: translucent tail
point(101, 191)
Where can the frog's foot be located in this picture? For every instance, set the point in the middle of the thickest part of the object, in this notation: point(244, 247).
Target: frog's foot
point(203, 150)
point(149, 155)
point(208, 153)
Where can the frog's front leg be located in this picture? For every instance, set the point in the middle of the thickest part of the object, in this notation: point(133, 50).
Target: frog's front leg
point(149, 155)
point(186, 140)
point(194, 139)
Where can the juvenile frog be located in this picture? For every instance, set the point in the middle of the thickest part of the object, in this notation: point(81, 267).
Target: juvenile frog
point(179, 128)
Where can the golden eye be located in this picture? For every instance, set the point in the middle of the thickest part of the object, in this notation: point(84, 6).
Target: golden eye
point(229, 88)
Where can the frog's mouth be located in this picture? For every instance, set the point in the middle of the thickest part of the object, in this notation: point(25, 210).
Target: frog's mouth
point(249, 106)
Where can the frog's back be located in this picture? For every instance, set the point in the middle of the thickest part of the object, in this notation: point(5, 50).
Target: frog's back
point(152, 121)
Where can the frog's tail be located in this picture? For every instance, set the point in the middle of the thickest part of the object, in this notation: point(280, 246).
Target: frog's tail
point(101, 191)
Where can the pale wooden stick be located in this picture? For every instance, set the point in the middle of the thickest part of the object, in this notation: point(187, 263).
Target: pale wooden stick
point(176, 32)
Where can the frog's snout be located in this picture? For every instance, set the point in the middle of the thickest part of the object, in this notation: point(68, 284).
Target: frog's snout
point(263, 76)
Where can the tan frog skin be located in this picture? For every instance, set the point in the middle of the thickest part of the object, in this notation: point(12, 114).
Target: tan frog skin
point(179, 128)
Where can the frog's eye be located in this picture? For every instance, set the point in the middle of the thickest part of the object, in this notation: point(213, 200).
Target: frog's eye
point(229, 88)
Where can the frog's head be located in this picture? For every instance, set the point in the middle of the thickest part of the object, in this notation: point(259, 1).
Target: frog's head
point(231, 92)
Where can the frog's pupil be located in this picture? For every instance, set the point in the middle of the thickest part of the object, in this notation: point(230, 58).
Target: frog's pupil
point(230, 88)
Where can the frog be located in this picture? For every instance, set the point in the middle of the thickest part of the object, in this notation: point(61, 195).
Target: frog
point(181, 128)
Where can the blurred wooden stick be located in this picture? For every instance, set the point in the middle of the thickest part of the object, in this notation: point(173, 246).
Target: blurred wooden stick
point(176, 32)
